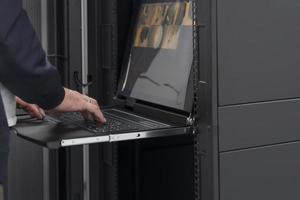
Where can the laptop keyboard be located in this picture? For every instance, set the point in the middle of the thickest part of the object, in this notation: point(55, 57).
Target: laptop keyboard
point(111, 125)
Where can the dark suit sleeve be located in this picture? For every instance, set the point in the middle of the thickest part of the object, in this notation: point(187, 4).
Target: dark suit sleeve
point(24, 69)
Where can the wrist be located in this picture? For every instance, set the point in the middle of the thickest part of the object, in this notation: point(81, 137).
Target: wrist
point(72, 102)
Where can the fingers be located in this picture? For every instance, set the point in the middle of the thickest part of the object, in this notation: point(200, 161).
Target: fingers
point(42, 112)
point(35, 111)
point(94, 109)
point(88, 116)
point(96, 112)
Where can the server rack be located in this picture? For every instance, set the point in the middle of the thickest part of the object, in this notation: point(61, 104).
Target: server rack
point(264, 110)
point(247, 141)
point(63, 48)
point(105, 164)
point(246, 136)
point(132, 170)
point(243, 109)
point(132, 155)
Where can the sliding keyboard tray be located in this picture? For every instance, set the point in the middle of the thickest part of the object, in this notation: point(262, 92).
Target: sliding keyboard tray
point(54, 136)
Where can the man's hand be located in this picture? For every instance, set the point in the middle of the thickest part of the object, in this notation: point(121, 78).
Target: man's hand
point(33, 109)
point(76, 102)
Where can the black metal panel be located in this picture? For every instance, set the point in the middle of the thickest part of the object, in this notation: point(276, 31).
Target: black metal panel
point(127, 171)
point(74, 41)
point(166, 173)
point(57, 39)
point(258, 124)
point(206, 143)
point(258, 44)
point(108, 189)
point(94, 51)
point(156, 169)
point(261, 173)
point(108, 47)
point(73, 190)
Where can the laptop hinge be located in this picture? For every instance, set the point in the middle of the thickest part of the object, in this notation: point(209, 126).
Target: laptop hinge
point(190, 120)
point(130, 102)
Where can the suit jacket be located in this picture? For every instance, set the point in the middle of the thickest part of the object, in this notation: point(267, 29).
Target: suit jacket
point(24, 69)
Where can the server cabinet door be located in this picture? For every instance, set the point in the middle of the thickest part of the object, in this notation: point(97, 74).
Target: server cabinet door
point(261, 173)
point(258, 49)
point(259, 124)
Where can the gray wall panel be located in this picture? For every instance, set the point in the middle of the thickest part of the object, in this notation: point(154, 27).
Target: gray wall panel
point(269, 173)
point(259, 124)
point(258, 48)
point(25, 174)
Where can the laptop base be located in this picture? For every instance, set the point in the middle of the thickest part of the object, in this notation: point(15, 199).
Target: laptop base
point(55, 135)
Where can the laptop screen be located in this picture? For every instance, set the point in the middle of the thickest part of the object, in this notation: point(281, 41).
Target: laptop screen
point(161, 55)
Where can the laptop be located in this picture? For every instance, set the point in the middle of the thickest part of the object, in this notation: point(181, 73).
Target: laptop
point(155, 90)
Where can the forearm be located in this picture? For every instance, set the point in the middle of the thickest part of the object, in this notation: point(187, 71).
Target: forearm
point(24, 67)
